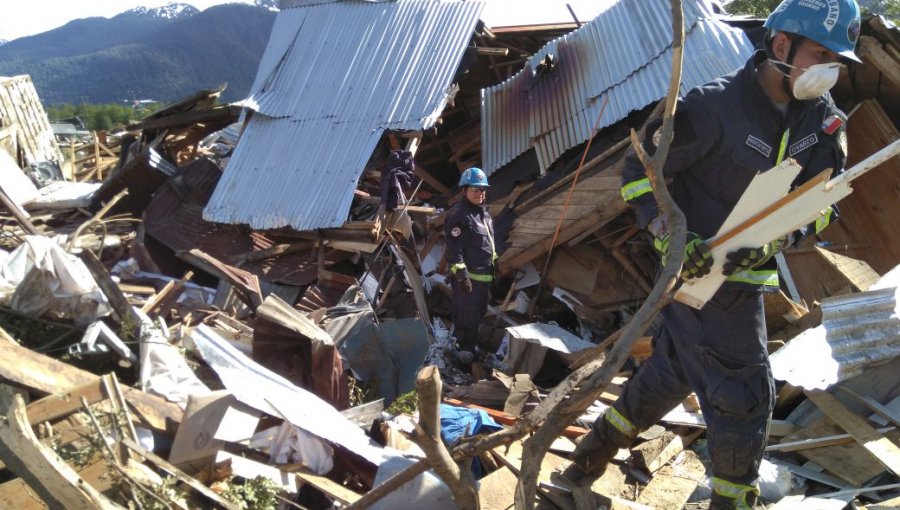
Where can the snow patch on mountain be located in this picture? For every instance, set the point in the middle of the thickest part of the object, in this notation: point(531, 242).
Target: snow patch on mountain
point(172, 10)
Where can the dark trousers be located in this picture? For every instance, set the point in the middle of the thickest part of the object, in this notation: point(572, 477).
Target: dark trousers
point(468, 308)
point(720, 353)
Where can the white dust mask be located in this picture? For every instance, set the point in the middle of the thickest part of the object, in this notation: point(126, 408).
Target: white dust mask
point(814, 81)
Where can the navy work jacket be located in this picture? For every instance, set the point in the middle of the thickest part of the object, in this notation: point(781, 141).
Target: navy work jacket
point(725, 133)
point(470, 241)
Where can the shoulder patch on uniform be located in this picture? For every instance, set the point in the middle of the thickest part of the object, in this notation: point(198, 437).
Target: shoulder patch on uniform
point(456, 232)
point(759, 145)
point(832, 124)
point(803, 144)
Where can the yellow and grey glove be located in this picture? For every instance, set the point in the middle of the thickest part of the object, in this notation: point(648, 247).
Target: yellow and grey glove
point(697, 257)
point(750, 258)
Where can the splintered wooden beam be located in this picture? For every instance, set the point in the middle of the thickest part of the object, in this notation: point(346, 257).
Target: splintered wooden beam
point(111, 289)
point(55, 481)
point(44, 374)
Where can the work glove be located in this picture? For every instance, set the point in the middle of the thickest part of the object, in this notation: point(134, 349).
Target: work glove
point(750, 258)
point(464, 282)
point(697, 257)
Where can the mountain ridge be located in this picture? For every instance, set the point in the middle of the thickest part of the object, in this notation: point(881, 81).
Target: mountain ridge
point(144, 54)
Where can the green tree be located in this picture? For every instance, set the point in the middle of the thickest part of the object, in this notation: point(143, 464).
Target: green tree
point(761, 8)
point(757, 8)
point(101, 117)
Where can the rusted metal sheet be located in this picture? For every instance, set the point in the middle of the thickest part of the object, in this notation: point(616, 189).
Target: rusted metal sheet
point(174, 217)
point(623, 55)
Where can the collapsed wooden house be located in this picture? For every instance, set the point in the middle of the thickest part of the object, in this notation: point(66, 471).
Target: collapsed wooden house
point(290, 287)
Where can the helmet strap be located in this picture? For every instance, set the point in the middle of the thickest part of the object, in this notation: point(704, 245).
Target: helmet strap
point(796, 41)
point(784, 70)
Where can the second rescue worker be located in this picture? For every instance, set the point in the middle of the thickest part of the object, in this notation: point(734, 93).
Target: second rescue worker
point(470, 252)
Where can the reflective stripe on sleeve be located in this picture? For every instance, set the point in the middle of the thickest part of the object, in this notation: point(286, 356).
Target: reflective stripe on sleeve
point(635, 189)
point(824, 219)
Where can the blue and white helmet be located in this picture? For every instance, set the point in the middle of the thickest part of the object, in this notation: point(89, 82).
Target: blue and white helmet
point(473, 177)
point(834, 24)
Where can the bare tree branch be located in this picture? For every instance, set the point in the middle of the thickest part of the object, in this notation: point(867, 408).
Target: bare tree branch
point(568, 409)
point(428, 437)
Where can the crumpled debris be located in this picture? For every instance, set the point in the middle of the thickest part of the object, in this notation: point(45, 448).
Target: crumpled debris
point(40, 277)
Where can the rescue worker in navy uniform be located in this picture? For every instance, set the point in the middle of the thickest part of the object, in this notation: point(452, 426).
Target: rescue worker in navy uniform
point(776, 106)
point(471, 256)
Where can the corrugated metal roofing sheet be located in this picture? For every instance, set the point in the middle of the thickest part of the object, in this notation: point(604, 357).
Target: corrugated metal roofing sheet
point(624, 53)
point(857, 331)
point(333, 78)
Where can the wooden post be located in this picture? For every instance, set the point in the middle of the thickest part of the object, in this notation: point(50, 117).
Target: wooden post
point(97, 155)
point(428, 437)
point(19, 215)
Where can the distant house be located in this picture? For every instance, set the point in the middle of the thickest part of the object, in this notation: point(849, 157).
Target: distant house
point(66, 130)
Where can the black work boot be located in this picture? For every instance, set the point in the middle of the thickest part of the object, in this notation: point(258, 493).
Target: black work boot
point(594, 452)
point(719, 502)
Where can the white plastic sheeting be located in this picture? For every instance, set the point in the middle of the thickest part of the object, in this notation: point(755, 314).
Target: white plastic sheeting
point(266, 391)
point(39, 276)
point(164, 371)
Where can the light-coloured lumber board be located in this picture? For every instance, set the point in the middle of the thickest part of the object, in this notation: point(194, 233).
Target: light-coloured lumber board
point(817, 442)
point(873, 53)
point(329, 487)
point(879, 446)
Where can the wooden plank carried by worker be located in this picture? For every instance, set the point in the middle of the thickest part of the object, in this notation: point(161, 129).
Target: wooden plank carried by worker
point(767, 210)
point(868, 229)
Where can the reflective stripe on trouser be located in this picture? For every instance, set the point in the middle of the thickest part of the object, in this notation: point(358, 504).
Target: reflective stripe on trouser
point(467, 310)
point(766, 277)
point(618, 421)
point(720, 353)
point(735, 491)
point(636, 188)
point(487, 278)
point(456, 267)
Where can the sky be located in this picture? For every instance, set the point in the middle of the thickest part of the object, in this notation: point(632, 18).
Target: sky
point(21, 18)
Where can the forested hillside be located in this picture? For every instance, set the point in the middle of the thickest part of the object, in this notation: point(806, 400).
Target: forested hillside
point(136, 56)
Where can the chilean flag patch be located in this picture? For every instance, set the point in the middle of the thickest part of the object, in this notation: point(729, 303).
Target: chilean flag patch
point(832, 124)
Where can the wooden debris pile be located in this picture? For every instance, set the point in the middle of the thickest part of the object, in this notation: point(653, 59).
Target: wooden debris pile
point(274, 366)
